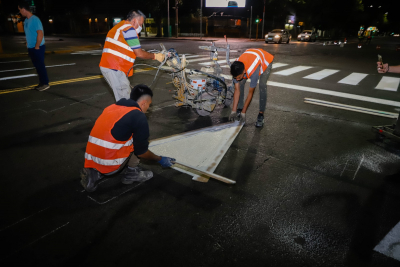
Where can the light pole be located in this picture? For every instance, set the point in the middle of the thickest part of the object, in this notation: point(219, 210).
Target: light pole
point(168, 33)
point(251, 18)
point(263, 22)
point(201, 17)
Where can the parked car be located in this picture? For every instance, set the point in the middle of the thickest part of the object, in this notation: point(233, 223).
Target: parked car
point(278, 36)
point(307, 35)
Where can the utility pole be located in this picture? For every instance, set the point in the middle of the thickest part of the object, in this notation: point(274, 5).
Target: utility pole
point(201, 17)
point(263, 22)
point(257, 21)
point(176, 20)
point(168, 31)
point(251, 20)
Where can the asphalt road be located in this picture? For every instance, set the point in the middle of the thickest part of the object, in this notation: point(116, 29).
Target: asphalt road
point(315, 187)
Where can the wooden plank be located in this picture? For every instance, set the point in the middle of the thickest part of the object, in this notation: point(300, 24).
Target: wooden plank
point(178, 166)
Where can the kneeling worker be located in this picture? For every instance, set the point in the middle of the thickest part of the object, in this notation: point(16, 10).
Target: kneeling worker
point(119, 138)
point(253, 64)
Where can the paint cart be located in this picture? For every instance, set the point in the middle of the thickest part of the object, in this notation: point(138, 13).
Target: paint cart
point(391, 132)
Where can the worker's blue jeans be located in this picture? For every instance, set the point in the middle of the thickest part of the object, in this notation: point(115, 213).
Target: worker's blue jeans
point(37, 57)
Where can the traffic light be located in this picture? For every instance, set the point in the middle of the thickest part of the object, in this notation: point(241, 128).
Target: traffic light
point(257, 20)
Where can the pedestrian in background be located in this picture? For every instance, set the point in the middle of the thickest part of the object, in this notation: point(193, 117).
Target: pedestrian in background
point(121, 48)
point(33, 29)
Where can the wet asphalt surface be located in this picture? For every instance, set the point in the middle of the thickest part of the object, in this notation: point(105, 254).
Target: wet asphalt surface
point(315, 187)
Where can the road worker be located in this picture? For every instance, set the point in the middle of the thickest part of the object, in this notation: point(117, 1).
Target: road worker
point(121, 48)
point(119, 139)
point(256, 65)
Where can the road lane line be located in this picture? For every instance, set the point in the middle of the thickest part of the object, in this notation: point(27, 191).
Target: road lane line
point(15, 61)
point(390, 244)
point(351, 108)
point(278, 65)
point(353, 79)
point(52, 66)
point(17, 77)
point(388, 83)
point(291, 71)
point(338, 94)
point(321, 74)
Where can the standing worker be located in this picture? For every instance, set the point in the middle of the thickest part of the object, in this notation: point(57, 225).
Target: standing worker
point(253, 64)
point(119, 138)
point(33, 29)
point(121, 48)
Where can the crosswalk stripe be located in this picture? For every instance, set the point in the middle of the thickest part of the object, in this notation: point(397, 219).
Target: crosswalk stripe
point(321, 74)
point(353, 79)
point(293, 70)
point(199, 59)
point(388, 83)
point(278, 65)
point(52, 66)
point(219, 62)
point(17, 77)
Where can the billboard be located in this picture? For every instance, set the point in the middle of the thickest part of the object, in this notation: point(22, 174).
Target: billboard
point(225, 3)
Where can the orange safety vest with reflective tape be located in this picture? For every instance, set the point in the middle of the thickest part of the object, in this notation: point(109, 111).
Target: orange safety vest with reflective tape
point(117, 54)
point(252, 58)
point(103, 152)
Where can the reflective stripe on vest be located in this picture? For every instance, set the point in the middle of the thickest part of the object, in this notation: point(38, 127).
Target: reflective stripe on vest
point(105, 162)
point(118, 54)
point(255, 63)
point(116, 36)
point(107, 144)
point(120, 44)
point(252, 58)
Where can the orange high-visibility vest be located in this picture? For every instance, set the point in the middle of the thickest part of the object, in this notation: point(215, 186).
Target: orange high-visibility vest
point(103, 152)
point(252, 58)
point(117, 54)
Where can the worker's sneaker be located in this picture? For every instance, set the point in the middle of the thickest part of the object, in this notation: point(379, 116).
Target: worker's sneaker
point(90, 178)
point(260, 120)
point(135, 174)
point(37, 86)
point(42, 87)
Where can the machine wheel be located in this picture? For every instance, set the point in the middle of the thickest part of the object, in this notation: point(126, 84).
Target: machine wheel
point(202, 112)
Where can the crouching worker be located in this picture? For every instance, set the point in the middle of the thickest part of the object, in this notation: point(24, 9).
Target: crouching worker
point(119, 139)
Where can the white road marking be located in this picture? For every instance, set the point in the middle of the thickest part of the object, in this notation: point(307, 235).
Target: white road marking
point(199, 59)
point(321, 74)
point(23, 219)
point(388, 83)
point(86, 52)
point(219, 61)
point(278, 65)
point(193, 56)
point(353, 79)
point(390, 244)
point(52, 66)
point(17, 77)
point(351, 108)
point(292, 70)
point(15, 61)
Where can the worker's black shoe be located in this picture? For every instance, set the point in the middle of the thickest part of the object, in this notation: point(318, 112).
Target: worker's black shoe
point(135, 174)
point(42, 87)
point(260, 120)
point(90, 179)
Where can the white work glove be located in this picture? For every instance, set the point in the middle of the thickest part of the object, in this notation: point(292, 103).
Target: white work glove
point(159, 56)
point(242, 118)
point(233, 116)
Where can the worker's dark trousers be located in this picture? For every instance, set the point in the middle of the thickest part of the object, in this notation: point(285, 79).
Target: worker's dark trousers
point(262, 86)
point(37, 57)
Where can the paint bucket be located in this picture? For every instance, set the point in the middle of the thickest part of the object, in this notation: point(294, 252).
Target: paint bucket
point(198, 82)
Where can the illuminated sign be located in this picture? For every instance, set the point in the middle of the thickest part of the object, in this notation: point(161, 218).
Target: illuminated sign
point(225, 3)
point(117, 20)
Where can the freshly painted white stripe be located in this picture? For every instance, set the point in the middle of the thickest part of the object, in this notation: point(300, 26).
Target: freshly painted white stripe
point(212, 62)
point(390, 244)
point(107, 144)
point(353, 79)
point(193, 56)
point(199, 59)
point(338, 94)
point(120, 44)
point(351, 108)
point(290, 71)
point(105, 162)
point(14, 61)
point(321, 74)
point(118, 54)
point(17, 77)
point(33, 68)
point(388, 83)
point(278, 65)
